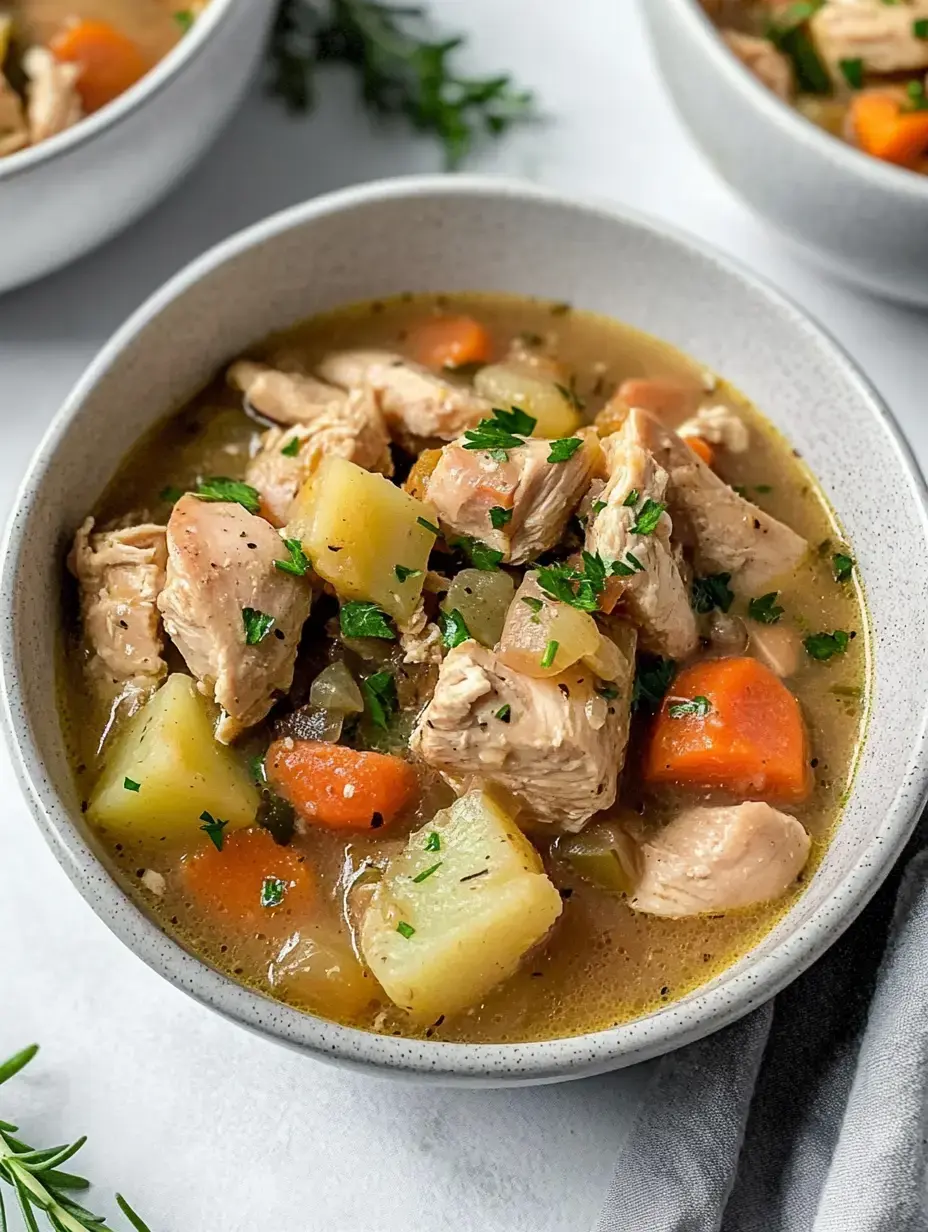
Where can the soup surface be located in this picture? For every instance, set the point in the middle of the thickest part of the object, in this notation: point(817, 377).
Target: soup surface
point(855, 68)
point(61, 60)
point(634, 662)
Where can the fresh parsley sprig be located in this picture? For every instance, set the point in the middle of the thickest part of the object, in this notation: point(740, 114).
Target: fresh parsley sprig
point(504, 431)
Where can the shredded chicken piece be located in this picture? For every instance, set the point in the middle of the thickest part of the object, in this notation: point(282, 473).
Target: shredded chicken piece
point(286, 397)
point(719, 425)
point(52, 101)
point(420, 638)
point(881, 34)
point(760, 57)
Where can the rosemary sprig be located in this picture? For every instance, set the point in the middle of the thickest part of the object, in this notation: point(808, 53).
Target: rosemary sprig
point(402, 70)
point(39, 1185)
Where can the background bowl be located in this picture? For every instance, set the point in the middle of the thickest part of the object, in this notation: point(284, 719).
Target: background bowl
point(464, 234)
point(64, 196)
point(863, 219)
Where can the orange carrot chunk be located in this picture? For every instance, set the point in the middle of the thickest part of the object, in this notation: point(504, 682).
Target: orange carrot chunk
point(885, 129)
point(110, 62)
point(449, 342)
point(731, 725)
point(333, 786)
point(702, 449)
point(251, 881)
point(671, 400)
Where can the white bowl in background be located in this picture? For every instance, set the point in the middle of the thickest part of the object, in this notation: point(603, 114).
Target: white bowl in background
point(450, 234)
point(862, 219)
point(66, 195)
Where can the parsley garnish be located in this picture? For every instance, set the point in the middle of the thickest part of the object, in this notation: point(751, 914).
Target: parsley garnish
point(298, 563)
point(403, 574)
point(428, 526)
point(699, 707)
point(580, 589)
point(765, 610)
point(789, 35)
point(712, 591)
point(852, 72)
point(535, 604)
point(501, 433)
point(597, 507)
point(131, 785)
point(549, 655)
point(564, 449)
point(405, 930)
point(272, 892)
point(824, 646)
point(499, 517)
point(454, 629)
point(648, 517)
point(920, 28)
point(257, 769)
point(427, 872)
point(632, 499)
point(918, 100)
point(257, 625)
point(625, 568)
point(213, 829)
point(652, 680)
point(433, 842)
point(479, 554)
point(608, 691)
point(358, 618)
point(171, 494)
point(230, 491)
point(843, 566)
point(292, 448)
point(380, 694)
point(185, 19)
point(504, 714)
point(763, 488)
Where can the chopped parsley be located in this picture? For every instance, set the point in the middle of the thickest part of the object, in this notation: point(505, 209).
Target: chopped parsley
point(920, 28)
point(272, 892)
point(213, 829)
point(606, 690)
point(579, 589)
point(380, 695)
point(632, 499)
point(257, 625)
point(229, 491)
point(698, 708)
point(171, 494)
point(298, 564)
point(428, 526)
point(185, 19)
point(403, 574)
point(405, 930)
point(789, 35)
point(648, 517)
point(358, 618)
point(918, 100)
point(257, 769)
point(569, 393)
point(427, 872)
point(842, 566)
point(433, 842)
point(531, 602)
point(550, 653)
point(292, 448)
point(853, 72)
point(505, 431)
point(454, 629)
point(131, 785)
point(564, 449)
point(763, 488)
point(652, 680)
point(824, 646)
point(499, 517)
point(597, 507)
point(479, 554)
point(765, 610)
point(504, 714)
point(712, 591)
point(625, 568)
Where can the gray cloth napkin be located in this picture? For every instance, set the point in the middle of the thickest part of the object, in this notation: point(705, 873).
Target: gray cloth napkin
point(809, 1115)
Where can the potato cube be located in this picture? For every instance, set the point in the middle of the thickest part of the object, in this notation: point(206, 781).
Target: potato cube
point(454, 914)
point(539, 396)
point(363, 535)
point(167, 768)
point(542, 637)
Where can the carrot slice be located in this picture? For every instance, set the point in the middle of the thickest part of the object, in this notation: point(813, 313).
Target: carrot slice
point(251, 880)
point(449, 342)
point(749, 739)
point(884, 129)
point(702, 449)
point(333, 786)
point(110, 62)
point(662, 396)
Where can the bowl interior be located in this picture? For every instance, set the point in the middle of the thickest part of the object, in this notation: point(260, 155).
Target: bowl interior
point(468, 235)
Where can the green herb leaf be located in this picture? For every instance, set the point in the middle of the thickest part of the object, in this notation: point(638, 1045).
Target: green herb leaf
point(433, 842)
point(230, 491)
point(918, 100)
point(597, 507)
point(652, 680)
point(257, 625)
point(606, 690)
point(649, 515)
point(698, 708)
point(427, 872)
point(920, 28)
point(632, 499)
point(763, 488)
point(499, 517)
point(790, 35)
point(824, 646)
point(843, 566)
point(136, 1220)
point(358, 618)
point(185, 19)
point(564, 449)
point(403, 574)
point(480, 555)
point(853, 72)
point(625, 568)
point(453, 627)
point(405, 930)
point(765, 610)
point(15, 1063)
point(171, 494)
point(292, 447)
point(503, 432)
point(579, 589)
point(380, 695)
point(213, 829)
point(131, 785)
point(504, 714)
point(550, 653)
point(256, 768)
point(272, 892)
point(429, 526)
point(535, 604)
point(712, 591)
point(298, 564)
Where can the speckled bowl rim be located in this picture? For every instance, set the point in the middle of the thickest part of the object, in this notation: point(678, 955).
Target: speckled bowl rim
point(892, 179)
point(468, 1064)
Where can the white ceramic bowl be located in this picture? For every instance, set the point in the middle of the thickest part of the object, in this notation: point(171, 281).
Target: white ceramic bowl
point(462, 234)
point(61, 198)
point(862, 219)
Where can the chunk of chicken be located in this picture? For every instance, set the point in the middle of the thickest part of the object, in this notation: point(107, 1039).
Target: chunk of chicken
point(539, 495)
point(221, 563)
point(727, 533)
point(352, 429)
point(420, 638)
point(881, 34)
point(417, 404)
point(719, 425)
point(654, 592)
point(777, 646)
point(554, 745)
point(760, 57)
point(286, 397)
point(52, 101)
point(121, 573)
point(14, 133)
point(718, 859)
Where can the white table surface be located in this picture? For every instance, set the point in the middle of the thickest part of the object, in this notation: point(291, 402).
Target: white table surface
point(203, 1126)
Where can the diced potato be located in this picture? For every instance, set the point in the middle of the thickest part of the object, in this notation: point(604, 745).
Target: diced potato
point(483, 598)
point(356, 527)
point(318, 968)
point(440, 944)
point(531, 627)
point(507, 385)
point(170, 751)
point(603, 854)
